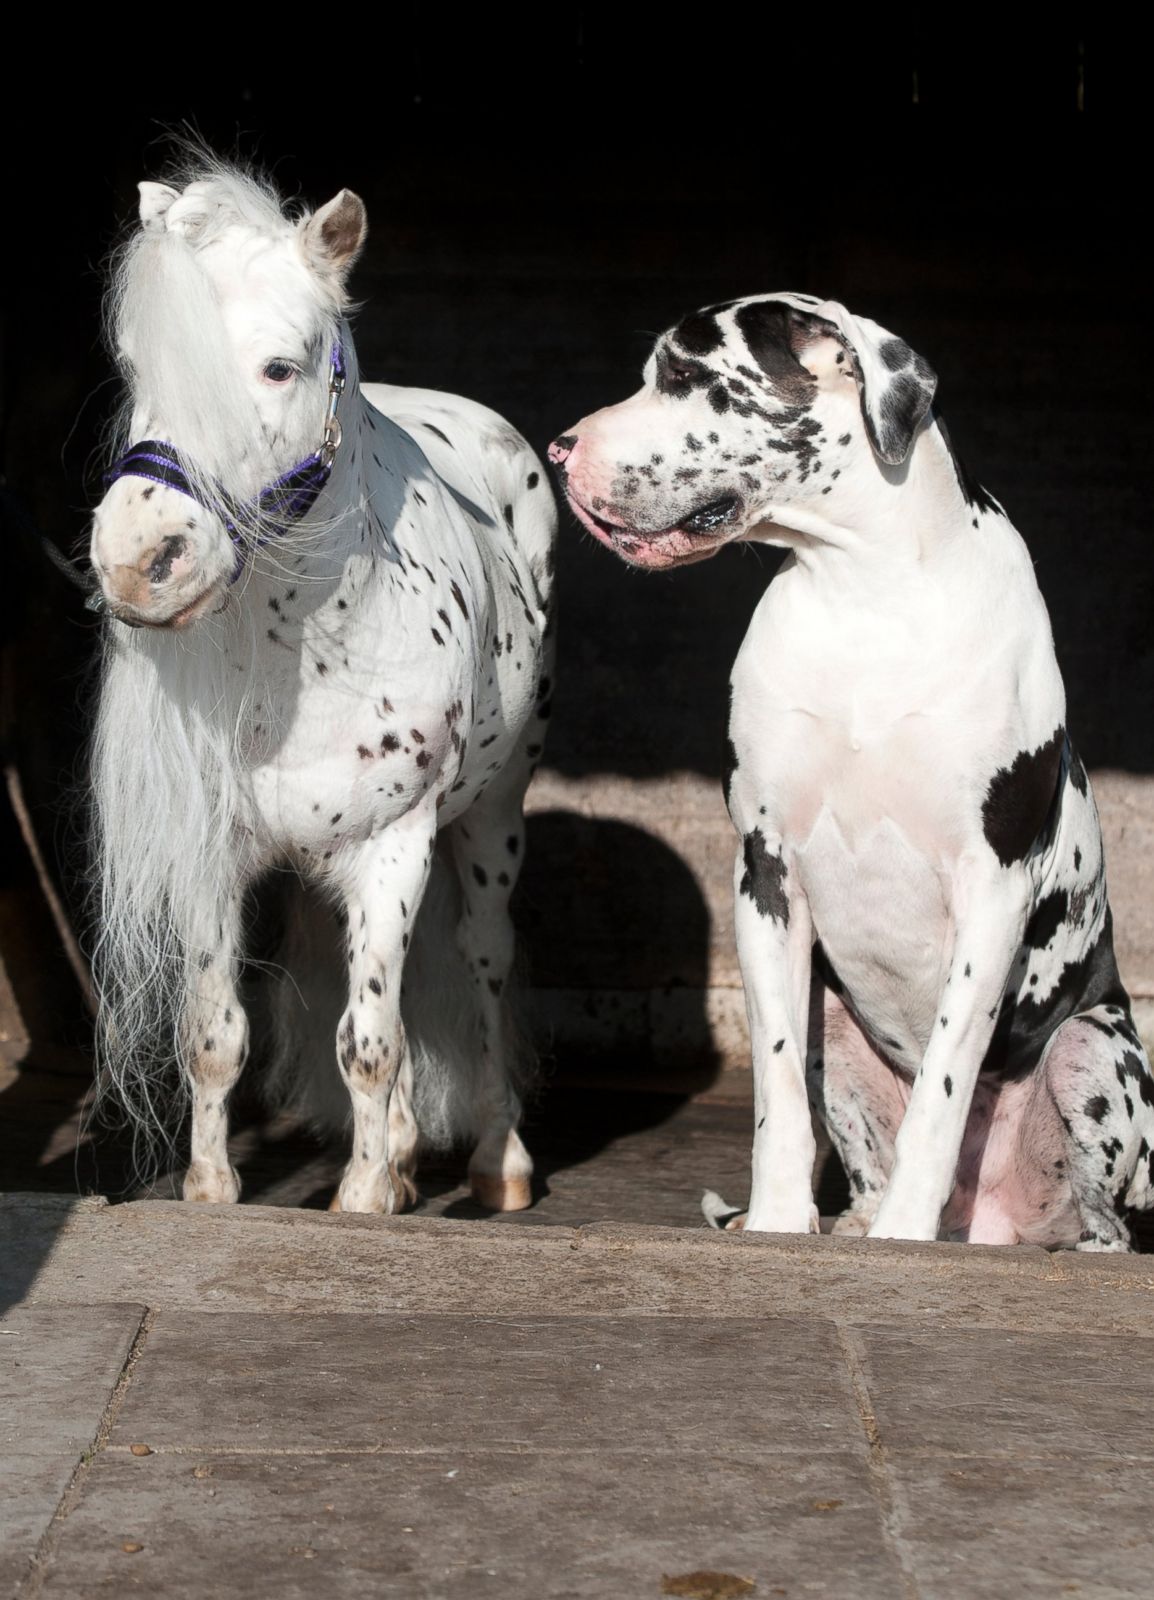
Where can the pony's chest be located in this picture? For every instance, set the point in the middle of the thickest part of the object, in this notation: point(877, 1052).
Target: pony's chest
point(334, 756)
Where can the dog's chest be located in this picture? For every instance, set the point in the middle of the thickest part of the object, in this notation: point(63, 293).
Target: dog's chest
point(881, 909)
point(855, 756)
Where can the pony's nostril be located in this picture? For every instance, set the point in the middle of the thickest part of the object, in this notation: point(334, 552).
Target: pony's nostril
point(561, 448)
point(160, 567)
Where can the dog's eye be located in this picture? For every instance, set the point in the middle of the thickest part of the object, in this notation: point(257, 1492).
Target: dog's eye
point(677, 376)
point(279, 372)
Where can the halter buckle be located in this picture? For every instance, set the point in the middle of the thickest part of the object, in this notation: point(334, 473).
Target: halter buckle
point(332, 434)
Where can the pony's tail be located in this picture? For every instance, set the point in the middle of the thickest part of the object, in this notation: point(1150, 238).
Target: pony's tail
point(438, 1006)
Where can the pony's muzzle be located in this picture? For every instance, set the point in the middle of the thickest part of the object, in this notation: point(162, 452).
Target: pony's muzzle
point(164, 587)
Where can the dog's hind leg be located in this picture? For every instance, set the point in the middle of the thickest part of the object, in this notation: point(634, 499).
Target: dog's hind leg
point(859, 1099)
point(1098, 1076)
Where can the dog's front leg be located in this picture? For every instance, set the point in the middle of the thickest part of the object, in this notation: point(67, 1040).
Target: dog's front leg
point(990, 907)
point(774, 946)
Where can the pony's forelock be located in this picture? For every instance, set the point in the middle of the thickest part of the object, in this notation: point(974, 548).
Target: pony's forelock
point(165, 325)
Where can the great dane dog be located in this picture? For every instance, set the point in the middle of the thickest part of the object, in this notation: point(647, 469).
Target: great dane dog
point(921, 903)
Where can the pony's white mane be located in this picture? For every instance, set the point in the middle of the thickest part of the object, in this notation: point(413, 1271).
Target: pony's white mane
point(164, 321)
point(166, 748)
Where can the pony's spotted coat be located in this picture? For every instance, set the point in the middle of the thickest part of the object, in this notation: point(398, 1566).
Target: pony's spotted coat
point(361, 710)
point(920, 895)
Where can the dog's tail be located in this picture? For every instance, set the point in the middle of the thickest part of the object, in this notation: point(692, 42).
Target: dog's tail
point(720, 1215)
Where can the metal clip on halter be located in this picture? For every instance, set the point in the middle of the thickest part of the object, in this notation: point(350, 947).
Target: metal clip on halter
point(332, 434)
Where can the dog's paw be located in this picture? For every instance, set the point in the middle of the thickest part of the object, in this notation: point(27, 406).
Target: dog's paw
point(720, 1215)
point(852, 1224)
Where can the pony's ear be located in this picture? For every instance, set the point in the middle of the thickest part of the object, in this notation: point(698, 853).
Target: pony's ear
point(332, 237)
point(896, 386)
point(155, 199)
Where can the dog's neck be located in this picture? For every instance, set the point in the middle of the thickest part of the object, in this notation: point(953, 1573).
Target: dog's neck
point(893, 520)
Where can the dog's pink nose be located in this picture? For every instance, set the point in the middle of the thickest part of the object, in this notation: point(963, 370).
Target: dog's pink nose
point(562, 448)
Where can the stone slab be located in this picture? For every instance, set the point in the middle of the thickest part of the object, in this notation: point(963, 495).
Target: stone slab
point(31, 1487)
point(997, 1393)
point(58, 1368)
point(444, 1383)
point(1036, 1530)
point(512, 1526)
point(249, 1258)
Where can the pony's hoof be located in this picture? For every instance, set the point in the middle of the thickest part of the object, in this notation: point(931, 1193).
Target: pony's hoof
point(404, 1190)
point(210, 1185)
point(378, 1196)
point(501, 1194)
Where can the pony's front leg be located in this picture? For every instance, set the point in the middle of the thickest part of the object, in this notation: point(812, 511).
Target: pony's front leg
point(488, 848)
point(383, 882)
point(213, 1048)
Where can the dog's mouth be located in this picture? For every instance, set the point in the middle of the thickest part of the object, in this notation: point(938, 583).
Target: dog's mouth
point(691, 538)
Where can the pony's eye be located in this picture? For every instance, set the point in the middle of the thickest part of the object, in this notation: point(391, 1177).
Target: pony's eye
point(279, 372)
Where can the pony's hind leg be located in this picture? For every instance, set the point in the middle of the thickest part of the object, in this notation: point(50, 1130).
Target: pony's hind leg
point(488, 845)
point(384, 883)
point(214, 1044)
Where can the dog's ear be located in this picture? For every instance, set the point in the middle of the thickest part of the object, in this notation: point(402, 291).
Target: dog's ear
point(895, 384)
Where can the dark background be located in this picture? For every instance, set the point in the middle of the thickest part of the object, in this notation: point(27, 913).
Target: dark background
point(544, 197)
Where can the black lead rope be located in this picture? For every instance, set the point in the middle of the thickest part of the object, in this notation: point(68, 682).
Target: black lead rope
point(82, 577)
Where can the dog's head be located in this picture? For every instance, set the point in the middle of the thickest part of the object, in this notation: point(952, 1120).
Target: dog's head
point(771, 410)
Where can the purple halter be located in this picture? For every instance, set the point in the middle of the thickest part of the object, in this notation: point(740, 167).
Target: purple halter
point(277, 505)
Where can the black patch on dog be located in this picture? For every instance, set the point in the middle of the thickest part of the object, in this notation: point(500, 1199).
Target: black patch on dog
point(678, 376)
point(1076, 772)
point(699, 333)
point(728, 766)
point(973, 494)
point(1026, 1024)
point(1049, 915)
point(896, 354)
point(895, 415)
point(1096, 1107)
point(1131, 1066)
point(767, 328)
point(1019, 797)
point(764, 879)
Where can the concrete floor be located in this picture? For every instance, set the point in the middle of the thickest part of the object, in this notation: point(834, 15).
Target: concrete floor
point(597, 1398)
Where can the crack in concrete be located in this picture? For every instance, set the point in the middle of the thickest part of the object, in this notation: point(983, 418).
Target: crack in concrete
point(31, 1586)
point(857, 1366)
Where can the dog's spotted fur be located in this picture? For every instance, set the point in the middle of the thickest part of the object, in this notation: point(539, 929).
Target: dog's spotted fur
point(920, 895)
